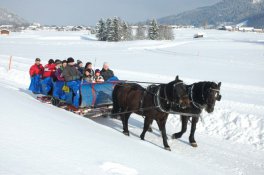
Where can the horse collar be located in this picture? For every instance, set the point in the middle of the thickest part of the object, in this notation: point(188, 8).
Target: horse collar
point(197, 105)
point(157, 101)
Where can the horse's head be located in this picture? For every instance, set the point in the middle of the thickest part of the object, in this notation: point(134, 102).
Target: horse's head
point(180, 94)
point(211, 95)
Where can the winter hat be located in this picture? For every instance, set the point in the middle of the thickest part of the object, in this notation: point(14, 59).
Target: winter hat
point(97, 70)
point(70, 60)
point(58, 62)
point(64, 61)
point(37, 59)
point(51, 61)
point(79, 62)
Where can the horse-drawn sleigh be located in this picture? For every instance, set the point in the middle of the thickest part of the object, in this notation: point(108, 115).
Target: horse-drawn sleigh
point(156, 102)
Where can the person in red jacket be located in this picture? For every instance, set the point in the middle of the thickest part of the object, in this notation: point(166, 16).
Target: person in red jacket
point(47, 77)
point(49, 69)
point(35, 73)
point(36, 69)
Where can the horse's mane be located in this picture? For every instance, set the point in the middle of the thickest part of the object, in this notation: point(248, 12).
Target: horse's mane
point(170, 88)
point(200, 88)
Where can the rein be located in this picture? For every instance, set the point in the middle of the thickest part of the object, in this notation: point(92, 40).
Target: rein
point(155, 107)
point(143, 82)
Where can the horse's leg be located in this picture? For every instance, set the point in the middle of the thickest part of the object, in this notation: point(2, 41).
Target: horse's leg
point(123, 122)
point(184, 120)
point(125, 118)
point(150, 126)
point(147, 123)
point(163, 133)
point(193, 128)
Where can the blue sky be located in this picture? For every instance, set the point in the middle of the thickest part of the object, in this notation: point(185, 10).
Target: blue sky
point(87, 12)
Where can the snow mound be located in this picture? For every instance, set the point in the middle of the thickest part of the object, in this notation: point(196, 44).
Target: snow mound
point(88, 37)
point(110, 168)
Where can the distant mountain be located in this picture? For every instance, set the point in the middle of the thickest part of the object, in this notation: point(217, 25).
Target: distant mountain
point(224, 12)
point(9, 18)
point(256, 21)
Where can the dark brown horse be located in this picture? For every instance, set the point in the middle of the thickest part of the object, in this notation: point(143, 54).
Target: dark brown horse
point(203, 95)
point(131, 98)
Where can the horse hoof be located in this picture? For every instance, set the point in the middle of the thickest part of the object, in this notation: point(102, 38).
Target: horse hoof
point(142, 138)
point(194, 144)
point(126, 133)
point(167, 148)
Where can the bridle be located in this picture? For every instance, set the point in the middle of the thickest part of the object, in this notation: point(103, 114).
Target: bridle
point(219, 96)
point(199, 106)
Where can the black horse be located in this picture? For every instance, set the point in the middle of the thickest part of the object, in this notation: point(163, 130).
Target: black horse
point(131, 98)
point(203, 95)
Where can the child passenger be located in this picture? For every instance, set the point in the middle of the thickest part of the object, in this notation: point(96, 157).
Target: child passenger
point(87, 76)
point(98, 78)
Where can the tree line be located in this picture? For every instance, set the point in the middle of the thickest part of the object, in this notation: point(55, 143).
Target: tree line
point(116, 29)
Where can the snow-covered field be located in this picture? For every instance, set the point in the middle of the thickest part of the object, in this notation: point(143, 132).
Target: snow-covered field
point(37, 138)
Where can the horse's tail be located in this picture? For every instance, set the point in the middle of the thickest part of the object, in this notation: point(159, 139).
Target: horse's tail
point(116, 107)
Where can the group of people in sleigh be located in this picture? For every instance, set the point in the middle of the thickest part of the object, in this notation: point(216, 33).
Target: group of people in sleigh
point(58, 77)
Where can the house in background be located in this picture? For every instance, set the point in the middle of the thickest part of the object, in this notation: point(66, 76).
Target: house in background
point(4, 32)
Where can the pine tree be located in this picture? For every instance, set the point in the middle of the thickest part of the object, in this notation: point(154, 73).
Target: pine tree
point(125, 31)
point(101, 30)
point(165, 33)
point(115, 30)
point(169, 33)
point(153, 30)
point(109, 36)
point(141, 33)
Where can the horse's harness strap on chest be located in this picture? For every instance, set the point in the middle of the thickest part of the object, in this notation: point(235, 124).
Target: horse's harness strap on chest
point(157, 101)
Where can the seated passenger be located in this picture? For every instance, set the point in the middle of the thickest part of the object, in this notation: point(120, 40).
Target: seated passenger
point(58, 93)
point(72, 77)
point(106, 72)
point(89, 66)
point(80, 67)
point(98, 78)
point(36, 72)
point(87, 77)
point(48, 75)
point(49, 69)
point(60, 66)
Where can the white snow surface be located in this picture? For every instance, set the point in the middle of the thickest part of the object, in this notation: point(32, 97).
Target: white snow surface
point(37, 138)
